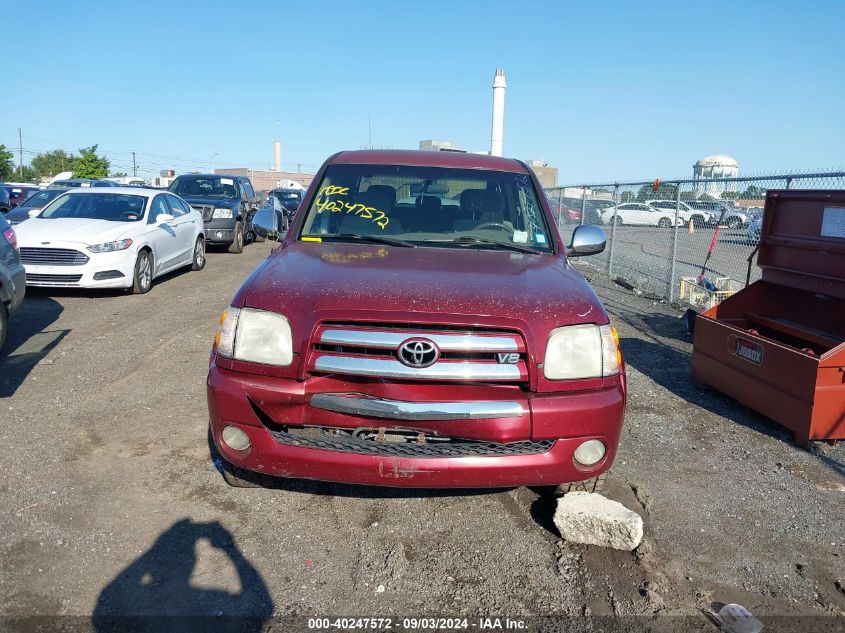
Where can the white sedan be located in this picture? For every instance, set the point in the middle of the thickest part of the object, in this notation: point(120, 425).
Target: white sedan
point(116, 237)
point(639, 213)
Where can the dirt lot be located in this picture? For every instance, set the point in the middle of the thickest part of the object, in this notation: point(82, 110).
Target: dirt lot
point(111, 503)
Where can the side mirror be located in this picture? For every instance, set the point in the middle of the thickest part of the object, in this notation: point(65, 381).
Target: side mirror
point(33, 212)
point(163, 218)
point(587, 239)
point(266, 223)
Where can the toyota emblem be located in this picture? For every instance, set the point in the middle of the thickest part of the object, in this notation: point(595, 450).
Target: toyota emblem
point(418, 352)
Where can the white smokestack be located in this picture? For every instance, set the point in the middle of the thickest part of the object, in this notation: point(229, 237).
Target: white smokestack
point(498, 130)
point(277, 156)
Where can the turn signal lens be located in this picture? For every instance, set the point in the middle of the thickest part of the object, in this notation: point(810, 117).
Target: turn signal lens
point(225, 339)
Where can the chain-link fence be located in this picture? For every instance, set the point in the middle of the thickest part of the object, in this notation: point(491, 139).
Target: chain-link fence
point(659, 232)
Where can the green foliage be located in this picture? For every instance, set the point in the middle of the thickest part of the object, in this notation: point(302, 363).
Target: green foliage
point(687, 195)
point(626, 196)
point(48, 164)
point(706, 197)
point(753, 191)
point(7, 164)
point(119, 174)
point(664, 192)
point(89, 165)
point(730, 195)
point(25, 174)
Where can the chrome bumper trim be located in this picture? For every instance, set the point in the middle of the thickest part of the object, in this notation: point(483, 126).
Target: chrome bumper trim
point(397, 410)
point(386, 368)
point(446, 342)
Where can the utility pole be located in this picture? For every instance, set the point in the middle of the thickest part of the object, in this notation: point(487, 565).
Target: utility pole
point(134, 165)
point(20, 148)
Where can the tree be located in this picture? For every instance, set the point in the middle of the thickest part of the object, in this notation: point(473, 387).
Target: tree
point(25, 174)
point(687, 195)
point(706, 197)
point(89, 165)
point(664, 192)
point(119, 174)
point(7, 163)
point(626, 196)
point(730, 195)
point(753, 191)
point(48, 164)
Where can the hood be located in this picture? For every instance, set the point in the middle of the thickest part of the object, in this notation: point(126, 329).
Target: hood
point(308, 282)
point(35, 231)
point(217, 202)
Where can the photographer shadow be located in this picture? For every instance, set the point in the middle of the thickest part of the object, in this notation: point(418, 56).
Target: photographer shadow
point(158, 592)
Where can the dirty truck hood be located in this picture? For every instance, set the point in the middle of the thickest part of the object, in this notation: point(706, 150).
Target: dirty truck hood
point(305, 281)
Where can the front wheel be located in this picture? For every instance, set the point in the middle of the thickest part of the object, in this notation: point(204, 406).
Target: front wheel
point(698, 221)
point(143, 278)
point(237, 245)
point(596, 484)
point(198, 262)
point(664, 223)
point(617, 221)
point(734, 223)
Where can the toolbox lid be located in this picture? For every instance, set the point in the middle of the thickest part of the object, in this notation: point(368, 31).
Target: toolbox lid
point(802, 240)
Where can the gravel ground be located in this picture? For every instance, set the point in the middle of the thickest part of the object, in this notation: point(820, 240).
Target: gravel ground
point(111, 503)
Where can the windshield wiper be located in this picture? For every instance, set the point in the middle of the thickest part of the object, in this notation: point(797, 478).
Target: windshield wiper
point(366, 238)
point(470, 240)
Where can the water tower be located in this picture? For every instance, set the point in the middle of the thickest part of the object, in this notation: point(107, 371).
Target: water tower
point(718, 166)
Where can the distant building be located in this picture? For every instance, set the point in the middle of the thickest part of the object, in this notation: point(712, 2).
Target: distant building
point(709, 167)
point(440, 146)
point(545, 174)
point(266, 180)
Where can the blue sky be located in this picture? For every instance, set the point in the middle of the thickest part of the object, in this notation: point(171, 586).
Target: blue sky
point(603, 91)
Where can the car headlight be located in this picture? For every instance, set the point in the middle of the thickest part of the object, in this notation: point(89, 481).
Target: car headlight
point(222, 213)
point(582, 351)
point(119, 245)
point(256, 336)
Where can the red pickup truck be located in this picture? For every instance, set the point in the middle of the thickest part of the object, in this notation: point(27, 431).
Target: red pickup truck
point(419, 326)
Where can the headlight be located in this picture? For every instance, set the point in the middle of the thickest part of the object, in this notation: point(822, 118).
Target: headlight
point(222, 213)
point(256, 336)
point(119, 245)
point(582, 351)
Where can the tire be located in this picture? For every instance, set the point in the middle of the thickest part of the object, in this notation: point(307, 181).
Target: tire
point(617, 221)
point(258, 238)
point(142, 280)
point(734, 223)
point(4, 325)
point(698, 221)
point(664, 223)
point(596, 484)
point(237, 245)
point(198, 262)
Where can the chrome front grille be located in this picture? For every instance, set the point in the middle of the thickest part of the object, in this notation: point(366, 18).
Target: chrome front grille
point(52, 280)
point(52, 256)
point(205, 209)
point(463, 354)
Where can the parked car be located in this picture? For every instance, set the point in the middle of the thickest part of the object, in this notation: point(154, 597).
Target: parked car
point(227, 204)
point(290, 199)
point(82, 182)
point(570, 209)
point(32, 206)
point(5, 200)
point(638, 213)
point(19, 193)
point(12, 277)
point(720, 213)
point(121, 238)
point(419, 345)
point(685, 212)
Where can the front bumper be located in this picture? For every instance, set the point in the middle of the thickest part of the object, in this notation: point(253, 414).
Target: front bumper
point(526, 439)
point(220, 231)
point(103, 270)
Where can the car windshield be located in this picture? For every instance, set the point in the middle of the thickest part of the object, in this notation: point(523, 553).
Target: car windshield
point(429, 206)
point(205, 187)
point(41, 198)
point(117, 207)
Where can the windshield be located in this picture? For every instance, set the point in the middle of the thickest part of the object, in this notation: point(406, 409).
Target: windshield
point(205, 187)
point(41, 198)
point(429, 206)
point(117, 207)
